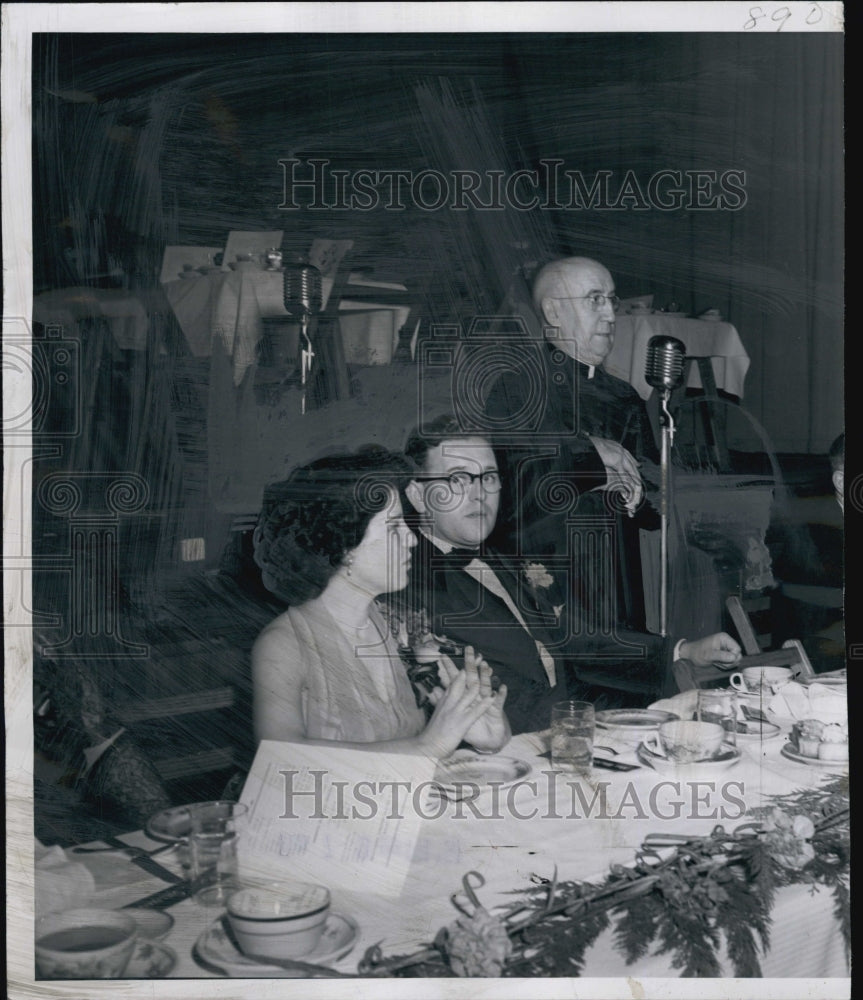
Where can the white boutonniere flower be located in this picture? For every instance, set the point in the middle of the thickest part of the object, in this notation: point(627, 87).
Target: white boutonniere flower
point(538, 577)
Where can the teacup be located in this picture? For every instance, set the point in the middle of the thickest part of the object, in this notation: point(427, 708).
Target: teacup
point(84, 943)
point(686, 741)
point(279, 919)
point(755, 680)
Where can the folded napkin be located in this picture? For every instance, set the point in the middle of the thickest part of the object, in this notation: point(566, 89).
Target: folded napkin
point(813, 701)
point(60, 883)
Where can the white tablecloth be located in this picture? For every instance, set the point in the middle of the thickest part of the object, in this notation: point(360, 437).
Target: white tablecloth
point(806, 942)
point(702, 338)
point(231, 306)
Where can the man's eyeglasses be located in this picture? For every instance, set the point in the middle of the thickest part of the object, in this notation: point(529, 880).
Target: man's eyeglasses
point(596, 299)
point(461, 482)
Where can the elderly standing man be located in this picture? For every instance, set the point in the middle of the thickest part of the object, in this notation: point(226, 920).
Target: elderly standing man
point(576, 299)
point(591, 427)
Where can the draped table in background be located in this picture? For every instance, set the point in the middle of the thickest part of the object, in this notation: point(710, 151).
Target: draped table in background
point(702, 339)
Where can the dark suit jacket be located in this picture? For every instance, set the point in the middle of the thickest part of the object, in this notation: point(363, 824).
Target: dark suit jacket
point(467, 613)
point(567, 407)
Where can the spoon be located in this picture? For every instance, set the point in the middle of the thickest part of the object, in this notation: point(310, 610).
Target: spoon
point(138, 852)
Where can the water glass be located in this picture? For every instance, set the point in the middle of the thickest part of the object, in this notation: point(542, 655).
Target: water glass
point(572, 730)
point(213, 849)
point(719, 707)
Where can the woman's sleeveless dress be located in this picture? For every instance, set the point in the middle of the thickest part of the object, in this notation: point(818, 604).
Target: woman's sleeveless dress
point(354, 692)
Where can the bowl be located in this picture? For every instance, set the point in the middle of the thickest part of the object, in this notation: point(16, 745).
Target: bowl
point(686, 742)
point(278, 919)
point(630, 725)
point(84, 943)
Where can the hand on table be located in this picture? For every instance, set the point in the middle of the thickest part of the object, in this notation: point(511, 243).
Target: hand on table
point(719, 648)
point(490, 731)
point(622, 471)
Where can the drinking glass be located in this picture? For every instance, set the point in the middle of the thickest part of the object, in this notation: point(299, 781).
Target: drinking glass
point(719, 707)
point(213, 849)
point(572, 731)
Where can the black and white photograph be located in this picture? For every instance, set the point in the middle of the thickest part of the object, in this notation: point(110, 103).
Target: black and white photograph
point(424, 500)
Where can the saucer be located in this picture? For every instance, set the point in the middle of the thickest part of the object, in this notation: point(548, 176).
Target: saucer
point(674, 315)
point(185, 275)
point(470, 769)
point(727, 758)
point(762, 730)
point(169, 825)
point(150, 960)
point(216, 947)
point(792, 753)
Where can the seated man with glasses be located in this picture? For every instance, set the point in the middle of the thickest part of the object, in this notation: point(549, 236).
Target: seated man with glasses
point(591, 426)
point(473, 595)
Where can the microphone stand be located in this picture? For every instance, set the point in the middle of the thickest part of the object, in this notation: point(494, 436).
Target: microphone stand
point(667, 424)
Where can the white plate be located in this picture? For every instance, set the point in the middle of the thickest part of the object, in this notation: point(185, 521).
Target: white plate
point(150, 960)
point(640, 719)
point(828, 680)
point(629, 725)
point(467, 768)
point(169, 825)
point(792, 753)
point(216, 947)
point(767, 731)
point(728, 758)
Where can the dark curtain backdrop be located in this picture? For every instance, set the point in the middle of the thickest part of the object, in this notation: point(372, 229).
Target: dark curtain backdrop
point(774, 268)
point(141, 141)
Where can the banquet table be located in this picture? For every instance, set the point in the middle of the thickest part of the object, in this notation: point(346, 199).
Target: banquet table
point(231, 305)
point(713, 339)
point(535, 833)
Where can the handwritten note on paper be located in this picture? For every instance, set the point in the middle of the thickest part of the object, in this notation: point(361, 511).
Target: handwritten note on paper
point(344, 818)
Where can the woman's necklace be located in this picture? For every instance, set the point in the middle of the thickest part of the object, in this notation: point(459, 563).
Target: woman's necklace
point(352, 629)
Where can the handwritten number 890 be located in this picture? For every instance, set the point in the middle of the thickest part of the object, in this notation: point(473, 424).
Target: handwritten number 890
point(781, 15)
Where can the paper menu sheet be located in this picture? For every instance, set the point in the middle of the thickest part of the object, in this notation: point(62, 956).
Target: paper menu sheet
point(341, 817)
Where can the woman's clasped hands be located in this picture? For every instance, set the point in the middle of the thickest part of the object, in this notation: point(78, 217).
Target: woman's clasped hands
point(466, 708)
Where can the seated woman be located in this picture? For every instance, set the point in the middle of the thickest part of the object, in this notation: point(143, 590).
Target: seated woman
point(331, 539)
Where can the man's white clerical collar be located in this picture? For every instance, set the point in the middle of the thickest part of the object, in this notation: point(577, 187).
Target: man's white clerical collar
point(445, 547)
point(590, 368)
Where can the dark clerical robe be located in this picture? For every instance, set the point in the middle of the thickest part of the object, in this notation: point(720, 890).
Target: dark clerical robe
point(543, 415)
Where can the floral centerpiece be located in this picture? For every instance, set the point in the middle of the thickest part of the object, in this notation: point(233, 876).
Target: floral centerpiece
point(680, 896)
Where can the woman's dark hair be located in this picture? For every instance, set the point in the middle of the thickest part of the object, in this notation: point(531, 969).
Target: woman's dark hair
point(310, 520)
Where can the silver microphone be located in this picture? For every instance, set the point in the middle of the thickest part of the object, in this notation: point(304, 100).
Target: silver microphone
point(665, 357)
